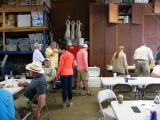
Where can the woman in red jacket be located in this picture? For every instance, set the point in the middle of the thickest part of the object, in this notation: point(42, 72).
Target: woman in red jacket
point(65, 73)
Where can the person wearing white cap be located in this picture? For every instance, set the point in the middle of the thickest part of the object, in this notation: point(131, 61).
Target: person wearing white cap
point(36, 86)
point(82, 67)
point(119, 62)
point(37, 55)
point(49, 71)
point(52, 53)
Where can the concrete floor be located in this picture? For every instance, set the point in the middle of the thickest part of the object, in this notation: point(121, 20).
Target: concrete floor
point(84, 107)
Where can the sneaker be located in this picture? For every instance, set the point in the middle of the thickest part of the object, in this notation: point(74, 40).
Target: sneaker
point(70, 104)
point(63, 105)
point(90, 94)
point(56, 88)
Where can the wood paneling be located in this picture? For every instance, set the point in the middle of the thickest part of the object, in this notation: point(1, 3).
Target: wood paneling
point(108, 58)
point(149, 27)
point(110, 38)
point(157, 26)
point(136, 37)
point(76, 9)
point(137, 13)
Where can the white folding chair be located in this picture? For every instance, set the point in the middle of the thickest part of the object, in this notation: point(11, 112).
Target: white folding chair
point(106, 112)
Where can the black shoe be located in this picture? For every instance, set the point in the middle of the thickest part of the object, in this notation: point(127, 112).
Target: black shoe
point(53, 91)
point(84, 88)
point(73, 88)
point(56, 88)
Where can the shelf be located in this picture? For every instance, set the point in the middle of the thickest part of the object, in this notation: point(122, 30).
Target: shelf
point(123, 14)
point(16, 52)
point(22, 29)
point(22, 9)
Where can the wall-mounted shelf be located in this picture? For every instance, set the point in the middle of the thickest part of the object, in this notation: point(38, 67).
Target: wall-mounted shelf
point(22, 29)
point(16, 52)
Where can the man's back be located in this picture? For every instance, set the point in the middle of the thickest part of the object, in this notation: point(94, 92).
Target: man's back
point(82, 60)
point(144, 53)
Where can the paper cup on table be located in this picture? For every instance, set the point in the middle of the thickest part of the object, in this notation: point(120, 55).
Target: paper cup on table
point(114, 75)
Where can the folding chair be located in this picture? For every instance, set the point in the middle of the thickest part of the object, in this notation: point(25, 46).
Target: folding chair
point(149, 92)
point(32, 109)
point(50, 91)
point(107, 112)
point(124, 89)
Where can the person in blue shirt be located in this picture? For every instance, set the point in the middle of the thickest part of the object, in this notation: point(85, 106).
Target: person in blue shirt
point(158, 55)
point(7, 111)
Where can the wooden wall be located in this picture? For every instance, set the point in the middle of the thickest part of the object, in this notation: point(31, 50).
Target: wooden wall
point(76, 10)
point(152, 32)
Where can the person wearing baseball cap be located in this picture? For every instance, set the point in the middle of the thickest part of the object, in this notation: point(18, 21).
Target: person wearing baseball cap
point(49, 71)
point(36, 87)
point(37, 55)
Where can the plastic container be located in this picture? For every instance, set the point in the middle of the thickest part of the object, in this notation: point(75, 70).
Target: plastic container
point(32, 47)
point(11, 41)
point(23, 41)
point(94, 79)
point(11, 47)
point(7, 70)
point(24, 47)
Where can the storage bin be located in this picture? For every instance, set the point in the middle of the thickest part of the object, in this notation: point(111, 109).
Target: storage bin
point(94, 79)
point(32, 47)
point(24, 47)
point(11, 47)
point(23, 41)
point(11, 41)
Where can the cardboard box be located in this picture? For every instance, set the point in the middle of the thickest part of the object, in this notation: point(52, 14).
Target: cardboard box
point(10, 23)
point(157, 6)
point(24, 17)
point(11, 17)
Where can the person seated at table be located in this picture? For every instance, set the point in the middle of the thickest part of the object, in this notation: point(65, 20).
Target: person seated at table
point(37, 86)
point(49, 71)
point(156, 72)
point(7, 111)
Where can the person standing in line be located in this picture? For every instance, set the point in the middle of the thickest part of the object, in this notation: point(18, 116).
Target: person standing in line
point(7, 110)
point(119, 62)
point(158, 56)
point(65, 73)
point(82, 67)
point(143, 56)
point(37, 55)
point(52, 53)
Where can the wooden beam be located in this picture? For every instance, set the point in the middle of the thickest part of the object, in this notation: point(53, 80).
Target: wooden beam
point(21, 29)
point(22, 9)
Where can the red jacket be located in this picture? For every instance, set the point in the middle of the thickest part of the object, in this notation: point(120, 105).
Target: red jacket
point(66, 64)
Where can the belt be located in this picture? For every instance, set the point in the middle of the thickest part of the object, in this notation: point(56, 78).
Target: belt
point(141, 60)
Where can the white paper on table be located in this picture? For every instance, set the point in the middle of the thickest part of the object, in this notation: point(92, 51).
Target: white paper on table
point(145, 104)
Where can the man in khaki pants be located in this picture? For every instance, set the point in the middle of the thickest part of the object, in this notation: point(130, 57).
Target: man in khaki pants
point(143, 56)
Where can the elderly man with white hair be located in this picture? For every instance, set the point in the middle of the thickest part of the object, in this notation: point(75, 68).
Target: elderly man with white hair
point(37, 55)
